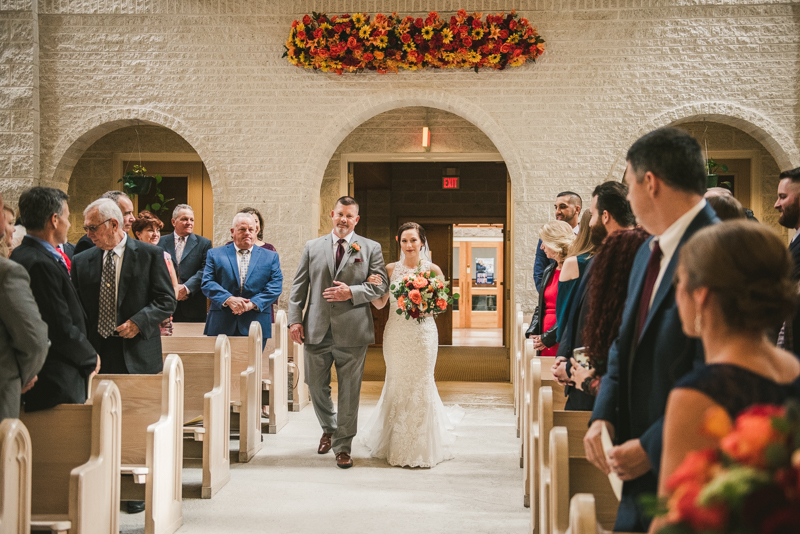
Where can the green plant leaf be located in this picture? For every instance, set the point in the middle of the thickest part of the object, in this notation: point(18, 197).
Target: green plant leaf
point(156, 206)
point(158, 178)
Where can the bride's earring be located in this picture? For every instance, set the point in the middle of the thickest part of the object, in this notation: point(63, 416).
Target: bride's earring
point(698, 325)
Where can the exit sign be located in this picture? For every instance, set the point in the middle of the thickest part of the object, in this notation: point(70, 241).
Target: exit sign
point(450, 182)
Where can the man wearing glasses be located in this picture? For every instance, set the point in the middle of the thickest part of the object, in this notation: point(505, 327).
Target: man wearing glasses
point(125, 288)
point(125, 206)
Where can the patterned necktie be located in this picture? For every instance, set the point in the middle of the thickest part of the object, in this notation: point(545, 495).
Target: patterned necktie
point(180, 244)
point(243, 264)
point(653, 268)
point(67, 263)
point(107, 322)
point(339, 253)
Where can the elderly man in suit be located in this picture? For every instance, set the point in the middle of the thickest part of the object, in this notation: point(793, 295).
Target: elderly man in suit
point(126, 207)
point(788, 206)
point(666, 178)
point(125, 288)
point(242, 281)
point(188, 251)
point(23, 335)
point(71, 358)
point(337, 325)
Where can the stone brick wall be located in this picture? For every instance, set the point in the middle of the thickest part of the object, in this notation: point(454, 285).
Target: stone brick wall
point(266, 131)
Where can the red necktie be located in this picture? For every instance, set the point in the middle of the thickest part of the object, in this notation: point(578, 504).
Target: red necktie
point(66, 259)
point(339, 253)
point(653, 268)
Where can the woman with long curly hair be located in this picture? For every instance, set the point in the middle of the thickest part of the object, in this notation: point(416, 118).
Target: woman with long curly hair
point(608, 289)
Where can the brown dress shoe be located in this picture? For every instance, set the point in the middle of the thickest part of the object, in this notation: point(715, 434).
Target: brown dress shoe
point(343, 460)
point(324, 443)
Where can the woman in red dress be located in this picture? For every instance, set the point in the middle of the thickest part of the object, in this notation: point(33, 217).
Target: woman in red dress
point(556, 236)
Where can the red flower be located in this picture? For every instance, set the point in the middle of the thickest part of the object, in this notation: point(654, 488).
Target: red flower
point(317, 33)
point(306, 20)
point(695, 468)
point(352, 43)
point(433, 15)
point(512, 25)
point(442, 304)
point(368, 57)
point(467, 41)
point(415, 296)
point(476, 23)
point(503, 34)
point(701, 518)
point(294, 24)
point(406, 38)
point(301, 35)
point(752, 434)
point(461, 13)
point(419, 23)
point(338, 28)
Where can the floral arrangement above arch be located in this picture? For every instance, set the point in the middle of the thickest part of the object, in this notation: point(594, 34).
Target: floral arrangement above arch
point(390, 43)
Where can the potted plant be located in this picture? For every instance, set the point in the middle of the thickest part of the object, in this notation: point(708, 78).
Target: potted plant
point(712, 178)
point(159, 204)
point(136, 182)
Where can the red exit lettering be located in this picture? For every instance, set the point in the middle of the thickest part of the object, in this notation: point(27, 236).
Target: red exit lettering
point(450, 182)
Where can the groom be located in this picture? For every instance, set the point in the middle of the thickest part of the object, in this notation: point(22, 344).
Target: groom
point(337, 326)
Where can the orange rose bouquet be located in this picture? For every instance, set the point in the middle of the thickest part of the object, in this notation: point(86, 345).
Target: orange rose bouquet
point(750, 484)
point(420, 294)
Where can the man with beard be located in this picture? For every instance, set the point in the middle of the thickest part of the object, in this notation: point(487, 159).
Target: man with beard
point(788, 206)
point(568, 209)
point(611, 212)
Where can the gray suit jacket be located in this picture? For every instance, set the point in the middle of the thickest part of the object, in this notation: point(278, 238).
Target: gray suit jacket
point(350, 321)
point(23, 336)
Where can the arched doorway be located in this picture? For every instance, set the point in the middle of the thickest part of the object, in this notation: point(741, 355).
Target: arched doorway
point(457, 187)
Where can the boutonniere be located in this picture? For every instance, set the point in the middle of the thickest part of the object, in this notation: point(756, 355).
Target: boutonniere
point(354, 248)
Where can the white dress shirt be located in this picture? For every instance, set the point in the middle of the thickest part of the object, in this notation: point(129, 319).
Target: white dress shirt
point(119, 253)
point(336, 238)
point(669, 241)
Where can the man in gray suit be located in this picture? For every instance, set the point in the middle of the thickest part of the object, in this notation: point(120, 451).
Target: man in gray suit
point(337, 326)
point(23, 335)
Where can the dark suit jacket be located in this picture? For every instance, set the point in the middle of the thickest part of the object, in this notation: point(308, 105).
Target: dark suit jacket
point(71, 358)
point(537, 322)
point(69, 250)
point(190, 274)
point(84, 243)
point(145, 296)
point(793, 326)
point(539, 265)
point(263, 286)
point(640, 375)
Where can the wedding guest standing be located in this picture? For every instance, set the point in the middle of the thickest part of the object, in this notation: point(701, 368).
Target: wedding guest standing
point(188, 251)
point(242, 281)
point(788, 206)
point(147, 227)
point(556, 238)
point(730, 301)
point(568, 209)
point(125, 206)
point(23, 335)
point(260, 240)
point(71, 358)
point(666, 177)
point(125, 289)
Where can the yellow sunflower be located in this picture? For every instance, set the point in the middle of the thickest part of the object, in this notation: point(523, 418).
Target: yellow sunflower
point(383, 41)
point(325, 26)
point(494, 58)
point(474, 57)
point(477, 33)
point(358, 20)
point(409, 47)
point(447, 36)
point(364, 32)
point(427, 32)
point(513, 39)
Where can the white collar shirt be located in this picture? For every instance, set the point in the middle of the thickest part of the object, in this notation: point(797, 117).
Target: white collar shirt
point(239, 256)
point(348, 238)
point(576, 229)
point(669, 241)
point(119, 254)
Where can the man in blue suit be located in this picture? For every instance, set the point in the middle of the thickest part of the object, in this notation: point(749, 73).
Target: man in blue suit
point(666, 177)
point(242, 281)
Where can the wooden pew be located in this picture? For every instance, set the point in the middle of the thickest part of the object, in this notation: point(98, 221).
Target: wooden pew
point(152, 443)
point(577, 423)
point(245, 378)
point(75, 467)
point(572, 474)
point(276, 387)
point(297, 370)
point(516, 355)
point(207, 399)
point(15, 466)
point(582, 518)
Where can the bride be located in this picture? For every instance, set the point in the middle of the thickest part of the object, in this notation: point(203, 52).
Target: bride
point(410, 426)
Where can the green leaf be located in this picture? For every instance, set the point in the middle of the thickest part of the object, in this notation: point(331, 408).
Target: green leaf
point(777, 455)
point(156, 206)
point(399, 311)
point(158, 179)
point(456, 295)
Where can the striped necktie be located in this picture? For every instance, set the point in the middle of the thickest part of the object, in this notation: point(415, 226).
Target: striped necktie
point(243, 265)
point(107, 322)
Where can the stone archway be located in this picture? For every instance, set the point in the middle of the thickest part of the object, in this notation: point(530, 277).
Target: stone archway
point(765, 131)
point(58, 164)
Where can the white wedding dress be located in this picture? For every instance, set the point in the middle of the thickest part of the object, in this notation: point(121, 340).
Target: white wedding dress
point(410, 425)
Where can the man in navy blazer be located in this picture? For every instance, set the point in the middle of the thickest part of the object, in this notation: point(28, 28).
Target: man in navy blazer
point(666, 177)
point(242, 281)
point(188, 251)
point(788, 206)
point(568, 209)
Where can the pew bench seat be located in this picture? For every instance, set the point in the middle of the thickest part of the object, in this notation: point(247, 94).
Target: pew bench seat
point(54, 523)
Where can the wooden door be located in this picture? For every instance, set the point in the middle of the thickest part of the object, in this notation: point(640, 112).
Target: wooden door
point(185, 182)
point(440, 241)
point(482, 297)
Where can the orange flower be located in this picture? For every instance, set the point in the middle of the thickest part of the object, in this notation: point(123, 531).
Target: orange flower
point(717, 423)
point(415, 296)
point(356, 247)
point(442, 304)
point(401, 302)
point(696, 468)
point(752, 434)
point(420, 282)
point(684, 507)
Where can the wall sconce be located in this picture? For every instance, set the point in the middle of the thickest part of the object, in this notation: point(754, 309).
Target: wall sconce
point(426, 137)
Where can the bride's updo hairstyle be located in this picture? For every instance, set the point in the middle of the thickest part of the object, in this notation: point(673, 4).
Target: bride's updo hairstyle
point(412, 226)
point(747, 268)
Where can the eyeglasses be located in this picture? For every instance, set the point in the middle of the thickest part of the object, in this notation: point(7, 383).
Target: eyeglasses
point(88, 229)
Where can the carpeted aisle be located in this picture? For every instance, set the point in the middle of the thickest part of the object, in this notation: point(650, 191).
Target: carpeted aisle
point(288, 488)
point(453, 364)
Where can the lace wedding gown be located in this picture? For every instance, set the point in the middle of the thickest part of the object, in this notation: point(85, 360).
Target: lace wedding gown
point(410, 425)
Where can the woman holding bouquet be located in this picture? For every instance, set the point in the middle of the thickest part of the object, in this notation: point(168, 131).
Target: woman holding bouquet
point(410, 426)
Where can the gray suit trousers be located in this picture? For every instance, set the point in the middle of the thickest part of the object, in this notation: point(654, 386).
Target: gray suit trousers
point(349, 370)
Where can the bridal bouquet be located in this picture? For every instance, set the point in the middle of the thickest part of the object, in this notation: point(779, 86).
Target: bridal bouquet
point(420, 293)
point(749, 484)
